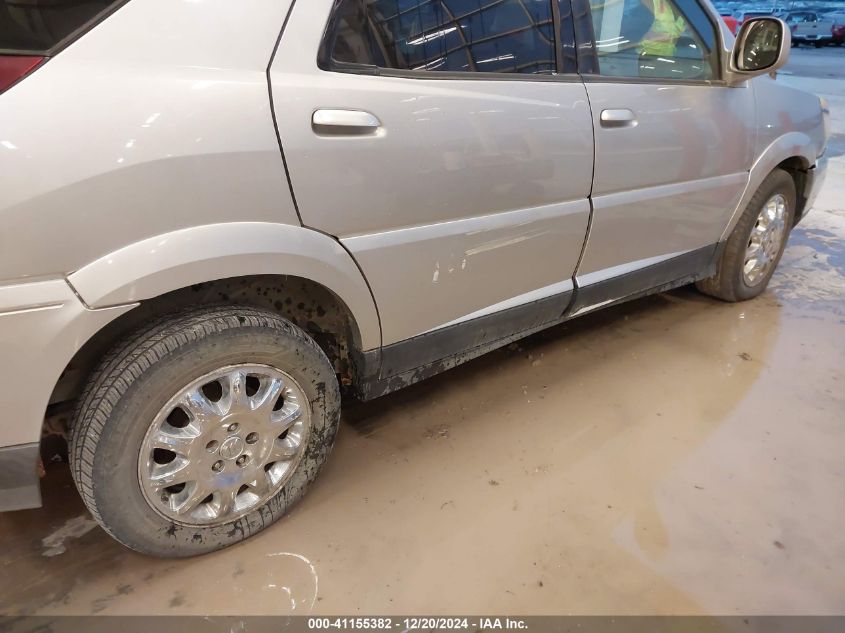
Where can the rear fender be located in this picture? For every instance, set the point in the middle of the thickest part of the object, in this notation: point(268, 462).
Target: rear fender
point(168, 262)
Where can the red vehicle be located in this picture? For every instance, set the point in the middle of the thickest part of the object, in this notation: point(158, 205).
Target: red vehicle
point(731, 21)
point(838, 28)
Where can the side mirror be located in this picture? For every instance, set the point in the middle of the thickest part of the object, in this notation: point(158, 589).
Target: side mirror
point(762, 46)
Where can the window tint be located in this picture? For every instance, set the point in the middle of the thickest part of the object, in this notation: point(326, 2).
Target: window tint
point(36, 26)
point(653, 39)
point(504, 36)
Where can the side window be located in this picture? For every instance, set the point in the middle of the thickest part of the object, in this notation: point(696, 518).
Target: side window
point(29, 27)
point(660, 39)
point(503, 36)
point(795, 18)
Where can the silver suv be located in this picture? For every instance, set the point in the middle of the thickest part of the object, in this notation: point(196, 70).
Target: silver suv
point(217, 216)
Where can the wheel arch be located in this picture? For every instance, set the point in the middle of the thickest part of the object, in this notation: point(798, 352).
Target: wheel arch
point(797, 167)
point(311, 306)
point(793, 152)
point(166, 263)
point(305, 276)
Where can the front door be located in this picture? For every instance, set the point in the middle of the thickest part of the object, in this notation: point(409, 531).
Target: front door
point(673, 144)
point(438, 142)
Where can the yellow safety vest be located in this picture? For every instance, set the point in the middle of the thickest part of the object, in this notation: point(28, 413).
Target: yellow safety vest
point(668, 28)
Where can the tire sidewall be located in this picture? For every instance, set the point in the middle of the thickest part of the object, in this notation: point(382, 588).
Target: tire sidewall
point(123, 509)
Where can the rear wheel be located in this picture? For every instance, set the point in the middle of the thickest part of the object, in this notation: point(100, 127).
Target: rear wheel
point(756, 244)
point(202, 429)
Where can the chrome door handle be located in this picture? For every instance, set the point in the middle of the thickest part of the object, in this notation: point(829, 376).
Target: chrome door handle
point(618, 118)
point(344, 122)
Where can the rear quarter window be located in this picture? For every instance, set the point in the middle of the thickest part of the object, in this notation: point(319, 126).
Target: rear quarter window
point(38, 27)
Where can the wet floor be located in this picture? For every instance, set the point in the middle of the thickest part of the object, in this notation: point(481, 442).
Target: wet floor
point(673, 455)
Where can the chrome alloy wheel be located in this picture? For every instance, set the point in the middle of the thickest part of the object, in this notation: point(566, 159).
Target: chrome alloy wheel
point(766, 239)
point(224, 445)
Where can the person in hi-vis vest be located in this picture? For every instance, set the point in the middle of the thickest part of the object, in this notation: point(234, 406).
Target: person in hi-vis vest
point(668, 26)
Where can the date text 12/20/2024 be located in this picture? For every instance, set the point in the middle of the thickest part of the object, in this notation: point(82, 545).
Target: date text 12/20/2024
point(417, 623)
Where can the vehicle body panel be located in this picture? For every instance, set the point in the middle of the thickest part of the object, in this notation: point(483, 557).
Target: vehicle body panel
point(668, 184)
point(789, 125)
point(489, 180)
point(182, 134)
point(461, 268)
point(20, 486)
point(157, 265)
point(42, 325)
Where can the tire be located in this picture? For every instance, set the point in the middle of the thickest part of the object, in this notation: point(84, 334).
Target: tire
point(730, 283)
point(134, 385)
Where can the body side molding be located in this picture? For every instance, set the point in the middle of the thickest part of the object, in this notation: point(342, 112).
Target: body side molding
point(415, 359)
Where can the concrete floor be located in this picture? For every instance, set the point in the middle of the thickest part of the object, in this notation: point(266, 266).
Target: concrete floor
point(673, 455)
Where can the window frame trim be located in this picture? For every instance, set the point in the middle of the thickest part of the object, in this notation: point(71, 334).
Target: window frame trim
point(593, 75)
point(327, 64)
point(71, 37)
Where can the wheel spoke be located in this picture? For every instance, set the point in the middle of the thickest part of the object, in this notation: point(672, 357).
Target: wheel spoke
point(200, 409)
point(179, 441)
point(226, 502)
point(771, 212)
point(175, 472)
point(267, 396)
point(234, 399)
point(283, 450)
point(261, 486)
point(187, 500)
point(286, 417)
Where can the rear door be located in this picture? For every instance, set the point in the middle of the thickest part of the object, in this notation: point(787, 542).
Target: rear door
point(438, 141)
point(673, 145)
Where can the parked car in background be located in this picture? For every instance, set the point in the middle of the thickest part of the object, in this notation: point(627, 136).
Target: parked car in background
point(809, 27)
point(730, 20)
point(838, 27)
point(743, 16)
point(218, 214)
